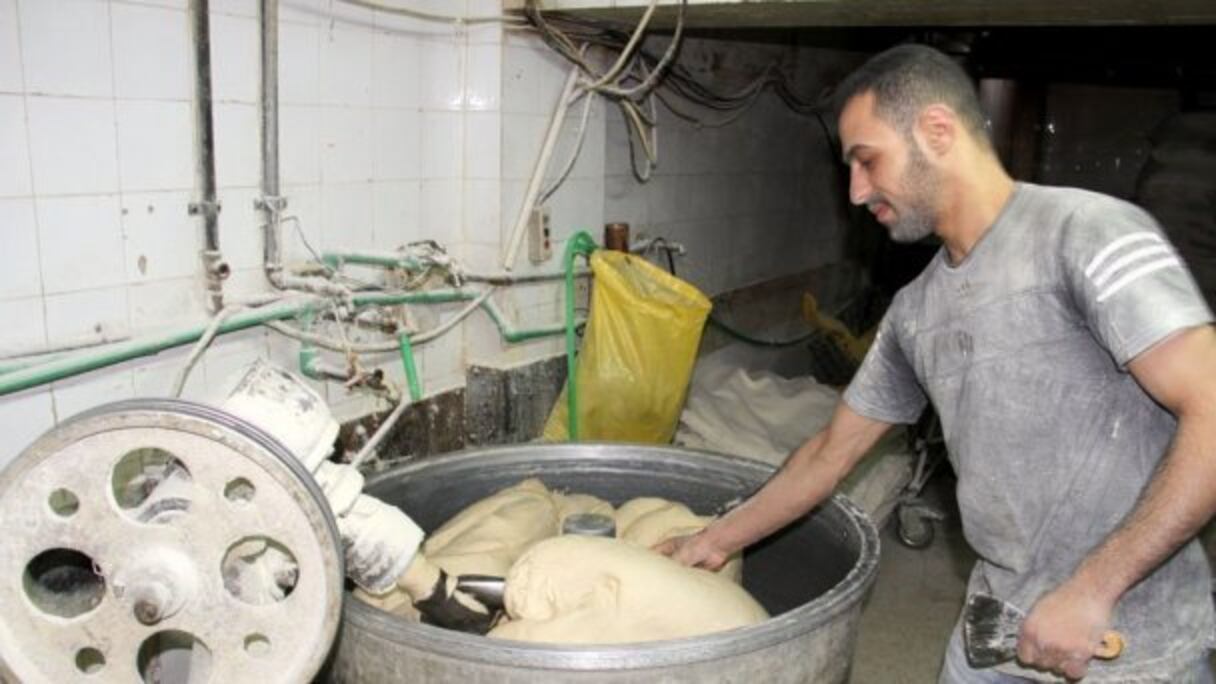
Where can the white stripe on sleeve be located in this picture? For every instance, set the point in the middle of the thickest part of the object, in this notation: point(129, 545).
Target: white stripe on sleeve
point(1109, 272)
point(1129, 278)
point(1110, 249)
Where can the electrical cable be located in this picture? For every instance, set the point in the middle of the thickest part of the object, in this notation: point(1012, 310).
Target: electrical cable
point(627, 51)
point(428, 16)
point(649, 81)
point(578, 146)
point(199, 347)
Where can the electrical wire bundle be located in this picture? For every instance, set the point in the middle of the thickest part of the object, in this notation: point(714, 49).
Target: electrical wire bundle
point(630, 82)
point(638, 77)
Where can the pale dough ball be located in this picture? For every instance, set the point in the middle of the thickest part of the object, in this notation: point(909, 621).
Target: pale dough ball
point(487, 537)
point(647, 521)
point(585, 590)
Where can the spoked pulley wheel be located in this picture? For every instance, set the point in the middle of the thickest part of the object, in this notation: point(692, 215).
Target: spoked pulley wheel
point(164, 541)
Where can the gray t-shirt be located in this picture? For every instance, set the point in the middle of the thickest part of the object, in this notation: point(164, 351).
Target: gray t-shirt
point(1023, 349)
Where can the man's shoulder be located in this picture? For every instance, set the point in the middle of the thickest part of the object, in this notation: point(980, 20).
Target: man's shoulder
point(1075, 223)
point(1076, 205)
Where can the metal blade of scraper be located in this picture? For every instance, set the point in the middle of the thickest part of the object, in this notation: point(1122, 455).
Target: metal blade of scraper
point(990, 630)
point(485, 588)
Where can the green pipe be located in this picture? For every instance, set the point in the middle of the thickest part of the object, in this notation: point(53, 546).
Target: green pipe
point(20, 375)
point(338, 259)
point(308, 361)
point(515, 336)
point(309, 354)
point(426, 297)
point(509, 334)
point(411, 371)
point(75, 364)
point(17, 364)
point(579, 243)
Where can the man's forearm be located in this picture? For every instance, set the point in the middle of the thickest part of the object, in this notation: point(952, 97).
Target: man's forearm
point(808, 476)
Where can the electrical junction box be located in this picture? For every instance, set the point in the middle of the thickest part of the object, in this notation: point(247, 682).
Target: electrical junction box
point(540, 240)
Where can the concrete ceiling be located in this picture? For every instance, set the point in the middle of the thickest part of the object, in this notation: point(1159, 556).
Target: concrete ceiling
point(868, 13)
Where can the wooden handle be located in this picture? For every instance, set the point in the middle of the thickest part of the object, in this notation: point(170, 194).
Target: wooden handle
point(1111, 646)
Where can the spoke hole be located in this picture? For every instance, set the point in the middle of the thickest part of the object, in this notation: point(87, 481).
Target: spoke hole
point(240, 491)
point(151, 485)
point(64, 503)
point(90, 660)
point(63, 582)
point(174, 657)
point(257, 645)
point(259, 570)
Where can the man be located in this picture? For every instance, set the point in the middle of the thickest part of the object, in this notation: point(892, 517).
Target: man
point(1070, 358)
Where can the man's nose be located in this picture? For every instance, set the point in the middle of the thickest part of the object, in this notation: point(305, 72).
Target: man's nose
point(859, 186)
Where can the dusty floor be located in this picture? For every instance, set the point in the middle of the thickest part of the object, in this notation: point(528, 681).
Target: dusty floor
point(915, 600)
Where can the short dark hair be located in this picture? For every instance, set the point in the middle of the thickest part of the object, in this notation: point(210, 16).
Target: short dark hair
point(906, 79)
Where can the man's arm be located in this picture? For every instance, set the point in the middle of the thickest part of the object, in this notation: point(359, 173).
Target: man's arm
point(1064, 627)
point(808, 476)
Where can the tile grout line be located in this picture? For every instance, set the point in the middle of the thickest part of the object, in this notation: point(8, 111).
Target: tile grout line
point(33, 194)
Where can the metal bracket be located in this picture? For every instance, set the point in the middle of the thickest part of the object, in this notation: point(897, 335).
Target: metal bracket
point(270, 203)
point(207, 208)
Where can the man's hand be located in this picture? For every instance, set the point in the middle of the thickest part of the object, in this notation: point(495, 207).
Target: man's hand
point(694, 550)
point(1064, 629)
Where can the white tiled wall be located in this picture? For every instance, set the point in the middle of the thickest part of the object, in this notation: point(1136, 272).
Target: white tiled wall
point(752, 200)
point(393, 130)
point(532, 77)
point(390, 129)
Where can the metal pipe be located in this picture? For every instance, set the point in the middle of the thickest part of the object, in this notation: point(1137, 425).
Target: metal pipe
point(271, 204)
point(511, 279)
point(214, 267)
point(15, 377)
point(27, 356)
point(513, 336)
point(339, 259)
point(75, 364)
point(508, 333)
point(373, 442)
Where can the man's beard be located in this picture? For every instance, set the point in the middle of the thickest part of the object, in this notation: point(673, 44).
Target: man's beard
point(917, 219)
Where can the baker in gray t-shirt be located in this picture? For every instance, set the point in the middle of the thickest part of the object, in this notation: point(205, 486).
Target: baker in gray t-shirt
point(1072, 363)
point(1023, 349)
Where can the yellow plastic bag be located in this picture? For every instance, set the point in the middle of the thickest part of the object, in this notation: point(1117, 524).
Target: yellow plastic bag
point(637, 356)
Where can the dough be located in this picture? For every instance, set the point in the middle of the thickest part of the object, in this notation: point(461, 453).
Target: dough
point(590, 590)
point(646, 521)
point(487, 537)
point(562, 589)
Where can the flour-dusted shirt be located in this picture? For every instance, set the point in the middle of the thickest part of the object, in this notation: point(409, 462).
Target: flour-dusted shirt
point(1022, 348)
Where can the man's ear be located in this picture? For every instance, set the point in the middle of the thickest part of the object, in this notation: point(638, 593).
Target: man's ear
point(938, 128)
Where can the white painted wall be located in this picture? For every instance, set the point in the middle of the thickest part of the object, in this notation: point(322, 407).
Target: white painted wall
point(393, 130)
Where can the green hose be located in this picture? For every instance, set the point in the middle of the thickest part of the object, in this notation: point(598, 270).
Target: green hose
point(411, 371)
point(579, 243)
